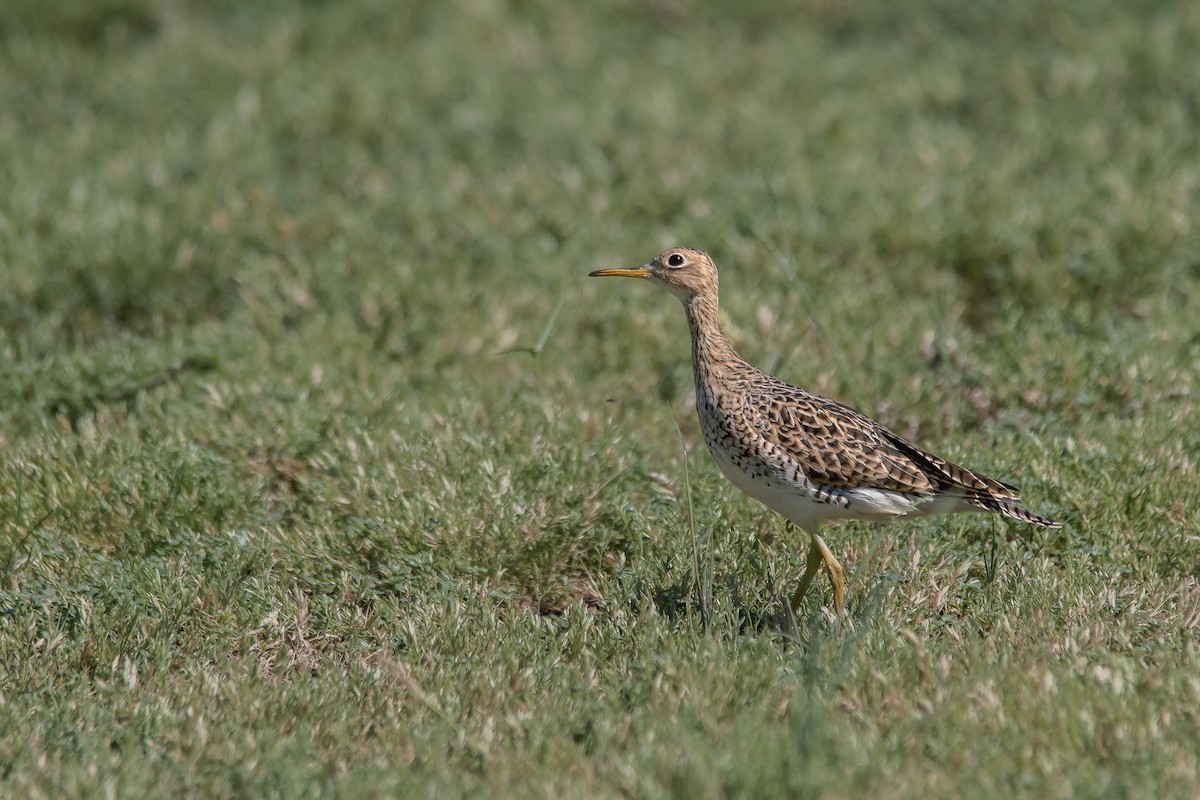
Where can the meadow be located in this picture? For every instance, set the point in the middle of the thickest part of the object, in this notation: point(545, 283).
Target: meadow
point(327, 472)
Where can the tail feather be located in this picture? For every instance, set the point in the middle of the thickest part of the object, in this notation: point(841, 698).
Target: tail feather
point(954, 475)
point(1011, 510)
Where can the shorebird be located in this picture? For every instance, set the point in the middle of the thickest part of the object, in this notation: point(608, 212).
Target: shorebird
point(811, 459)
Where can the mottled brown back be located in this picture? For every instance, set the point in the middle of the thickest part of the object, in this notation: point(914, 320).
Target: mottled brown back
point(842, 448)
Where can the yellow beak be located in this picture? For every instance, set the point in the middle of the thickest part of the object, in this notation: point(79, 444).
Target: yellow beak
point(636, 272)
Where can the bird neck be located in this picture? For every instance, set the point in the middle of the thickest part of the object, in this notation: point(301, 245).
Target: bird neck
point(710, 346)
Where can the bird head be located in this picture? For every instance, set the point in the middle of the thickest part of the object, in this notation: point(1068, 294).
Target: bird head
point(685, 272)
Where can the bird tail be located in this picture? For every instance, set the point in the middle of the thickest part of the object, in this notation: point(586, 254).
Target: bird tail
point(1008, 508)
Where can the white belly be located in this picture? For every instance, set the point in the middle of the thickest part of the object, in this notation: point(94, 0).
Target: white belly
point(801, 503)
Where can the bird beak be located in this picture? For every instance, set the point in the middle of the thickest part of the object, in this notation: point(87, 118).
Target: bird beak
point(635, 272)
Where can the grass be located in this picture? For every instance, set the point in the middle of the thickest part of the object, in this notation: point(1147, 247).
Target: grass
point(327, 472)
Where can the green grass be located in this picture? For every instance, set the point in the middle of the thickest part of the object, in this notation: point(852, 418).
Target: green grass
point(286, 511)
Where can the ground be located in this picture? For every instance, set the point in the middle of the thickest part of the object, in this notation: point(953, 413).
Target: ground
point(327, 472)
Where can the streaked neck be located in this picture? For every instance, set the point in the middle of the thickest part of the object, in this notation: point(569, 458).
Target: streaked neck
point(710, 346)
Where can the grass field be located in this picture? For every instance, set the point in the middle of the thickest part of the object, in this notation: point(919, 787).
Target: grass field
point(327, 472)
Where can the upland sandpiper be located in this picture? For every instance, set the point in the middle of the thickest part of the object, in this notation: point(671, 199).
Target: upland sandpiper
point(809, 458)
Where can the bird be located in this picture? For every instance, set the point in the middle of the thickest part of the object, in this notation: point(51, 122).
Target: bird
point(811, 459)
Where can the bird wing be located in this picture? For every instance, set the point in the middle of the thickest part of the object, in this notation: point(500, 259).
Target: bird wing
point(837, 447)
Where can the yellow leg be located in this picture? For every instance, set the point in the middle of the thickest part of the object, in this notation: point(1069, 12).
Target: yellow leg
point(814, 563)
point(837, 576)
point(819, 553)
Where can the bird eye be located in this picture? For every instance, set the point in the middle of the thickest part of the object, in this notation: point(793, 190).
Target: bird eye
point(674, 260)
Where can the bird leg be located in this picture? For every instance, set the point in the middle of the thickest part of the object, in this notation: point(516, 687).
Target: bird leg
point(837, 577)
point(814, 563)
point(819, 553)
